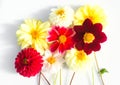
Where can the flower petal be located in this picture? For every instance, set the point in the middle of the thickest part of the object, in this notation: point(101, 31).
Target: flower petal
point(53, 35)
point(78, 28)
point(79, 45)
point(95, 46)
point(62, 30)
point(54, 46)
point(87, 24)
point(69, 32)
point(61, 48)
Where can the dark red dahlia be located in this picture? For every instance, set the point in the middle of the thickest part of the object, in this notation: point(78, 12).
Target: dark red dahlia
point(89, 36)
point(61, 38)
point(28, 62)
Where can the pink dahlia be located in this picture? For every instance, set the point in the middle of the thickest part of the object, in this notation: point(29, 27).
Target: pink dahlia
point(88, 36)
point(61, 38)
point(28, 62)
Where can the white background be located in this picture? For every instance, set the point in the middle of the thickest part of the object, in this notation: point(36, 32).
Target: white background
point(14, 12)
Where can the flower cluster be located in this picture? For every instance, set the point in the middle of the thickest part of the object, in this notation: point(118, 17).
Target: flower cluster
point(69, 36)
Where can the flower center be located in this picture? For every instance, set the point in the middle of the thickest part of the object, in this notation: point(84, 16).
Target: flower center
point(35, 34)
point(88, 38)
point(25, 61)
point(80, 55)
point(60, 12)
point(51, 60)
point(62, 39)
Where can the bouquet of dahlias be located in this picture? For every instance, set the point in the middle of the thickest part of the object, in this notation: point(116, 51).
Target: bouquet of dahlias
point(65, 40)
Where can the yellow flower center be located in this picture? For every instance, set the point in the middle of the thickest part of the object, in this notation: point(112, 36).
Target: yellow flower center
point(60, 12)
point(80, 55)
point(88, 38)
point(51, 60)
point(25, 62)
point(35, 34)
point(62, 39)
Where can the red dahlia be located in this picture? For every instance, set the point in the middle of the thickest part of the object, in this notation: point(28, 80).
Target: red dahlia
point(61, 38)
point(28, 62)
point(89, 36)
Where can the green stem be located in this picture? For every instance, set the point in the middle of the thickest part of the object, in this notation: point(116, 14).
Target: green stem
point(98, 69)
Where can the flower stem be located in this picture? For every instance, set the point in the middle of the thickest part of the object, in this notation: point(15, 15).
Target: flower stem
point(60, 78)
point(98, 69)
point(39, 78)
point(54, 82)
point(92, 77)
point(45, 78)
point(72, 78)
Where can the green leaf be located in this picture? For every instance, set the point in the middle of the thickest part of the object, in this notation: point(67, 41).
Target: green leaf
point(102, 71)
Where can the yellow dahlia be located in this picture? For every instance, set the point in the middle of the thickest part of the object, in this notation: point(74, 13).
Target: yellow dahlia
point(77, 60)
point(33, 33)
point(94, 13)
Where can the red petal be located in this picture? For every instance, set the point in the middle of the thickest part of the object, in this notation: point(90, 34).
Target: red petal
point(79, 45)
point(77, 37)
point(103, 37)
point(87, 49)
point(97, 27)
point(53, 35)
point(54, 46)
point(52, 38)
point(100, 37)
point(69, 43)
point(69, 32)
point(62, 30)
point(61, 48)
point(95, 46)
point(77, 28)
point(87, 24)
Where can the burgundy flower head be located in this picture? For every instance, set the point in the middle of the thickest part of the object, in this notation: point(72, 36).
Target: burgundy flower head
point(28, 62)
point(89, 36)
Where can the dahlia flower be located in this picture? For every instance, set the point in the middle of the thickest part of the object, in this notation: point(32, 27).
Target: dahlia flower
point(33, 34)
point(77, 59)
point(88, 36)
point(62, 16)
point(52, 62)
point(28, 62)
point(60, 38)
point(94, 13)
